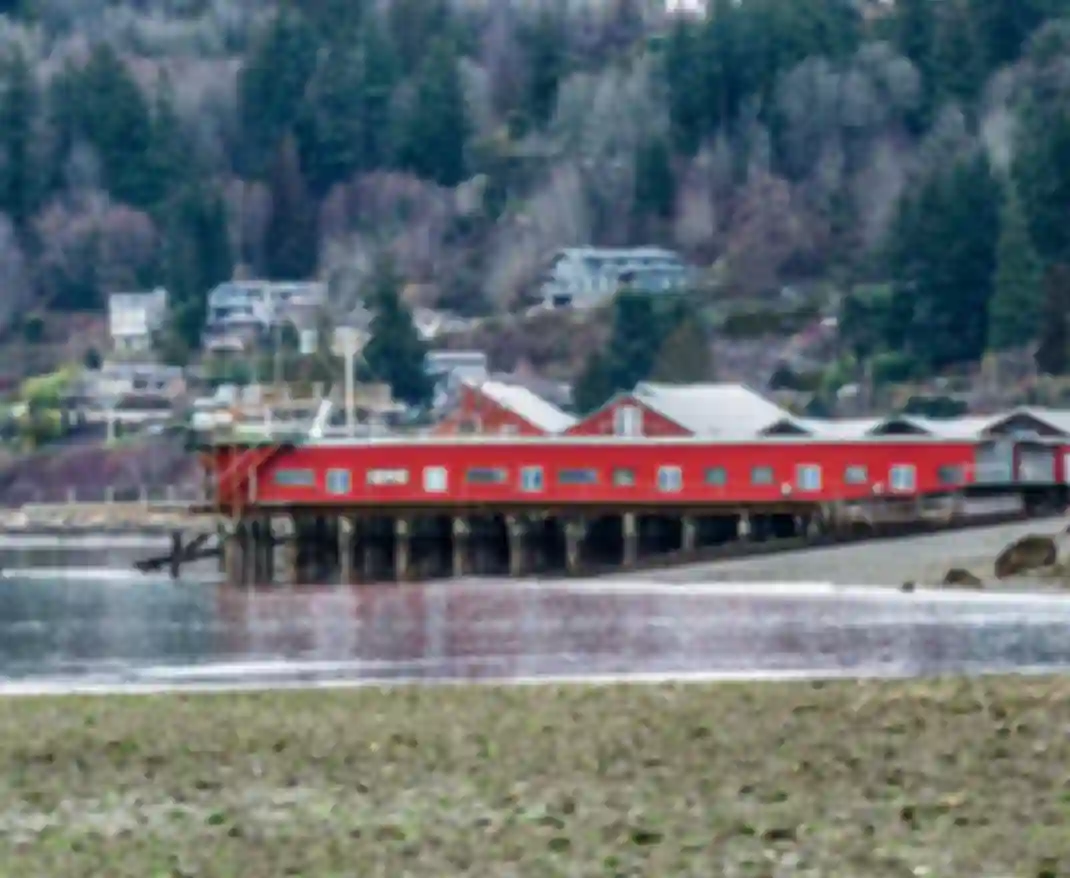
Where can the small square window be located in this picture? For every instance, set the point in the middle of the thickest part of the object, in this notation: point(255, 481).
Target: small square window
point(670, 479)
point(808, 477)
point(902, 477)
point(339, 481)
point(761, 475)
point(531, 479)
point(716, 477)
point(856, 475)
point(436, 479)
point(623, 477)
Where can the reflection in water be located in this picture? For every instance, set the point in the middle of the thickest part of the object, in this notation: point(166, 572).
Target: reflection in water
point(113, 625)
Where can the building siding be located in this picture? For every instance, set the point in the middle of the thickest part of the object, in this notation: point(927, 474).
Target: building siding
point(428, 472)
point(602, 421)
point(477, 413)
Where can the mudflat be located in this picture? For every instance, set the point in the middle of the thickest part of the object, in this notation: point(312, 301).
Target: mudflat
point(939, 778)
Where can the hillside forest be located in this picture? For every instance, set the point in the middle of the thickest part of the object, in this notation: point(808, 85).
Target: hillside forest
point(913, 156)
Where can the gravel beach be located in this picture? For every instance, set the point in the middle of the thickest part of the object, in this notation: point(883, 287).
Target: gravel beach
point(921, 559)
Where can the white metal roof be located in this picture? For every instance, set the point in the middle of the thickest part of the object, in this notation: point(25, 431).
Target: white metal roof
point(1057, 419)
point(962, 427)
point(527, 404)
point(711, 409)
point(839, 428)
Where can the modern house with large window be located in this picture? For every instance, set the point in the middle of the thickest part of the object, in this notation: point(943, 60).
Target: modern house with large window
point(583, 277)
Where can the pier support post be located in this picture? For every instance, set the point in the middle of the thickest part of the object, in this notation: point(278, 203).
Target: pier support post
point(402, 554)
point(461, 532)
point(176, 553)
point(266, 573)
point(689, 533)
point(347, 529)
point(234, 550)
point(744, 530)
point(518, 531)
point(575, 531)
point(286, 528)
point(630, 535)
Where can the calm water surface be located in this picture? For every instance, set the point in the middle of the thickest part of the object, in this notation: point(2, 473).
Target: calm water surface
point(83, 615)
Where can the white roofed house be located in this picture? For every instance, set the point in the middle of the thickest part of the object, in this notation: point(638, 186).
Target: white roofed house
point(706, 409)
point(135, 318)
point(500, 409)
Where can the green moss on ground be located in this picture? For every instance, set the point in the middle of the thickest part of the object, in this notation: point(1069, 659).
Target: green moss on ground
point(940, 778)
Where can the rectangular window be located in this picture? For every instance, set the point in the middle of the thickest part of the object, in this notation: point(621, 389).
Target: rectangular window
point(509, 430)
point(295, 478)
point(670, 479)
point(435, 479)
point(384, 477)
point(855, 475)
point(531, 479)
point(808, 477)
point(902, 477)
point(577, 477)
point(628, 421)
point(625, 478)
point(339, 481)
point(951, 475)
point(485, 476)
point(761, 475)
point(716, 477)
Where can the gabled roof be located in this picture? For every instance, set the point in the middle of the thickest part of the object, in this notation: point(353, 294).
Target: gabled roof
point(839, 428)
point(1057, 419)
point(963, 427)
point(525, 403)
point(712, 408)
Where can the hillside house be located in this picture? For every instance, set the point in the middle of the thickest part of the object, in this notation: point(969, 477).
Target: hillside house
point(135, 318)
point(495, 408)
point(583, 277)
point(237, 306)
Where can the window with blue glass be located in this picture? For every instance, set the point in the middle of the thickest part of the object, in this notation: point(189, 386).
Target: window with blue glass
point(577, 477)
point(531, 479)
point(295, 478)
point(670, 479)
point(339, 481)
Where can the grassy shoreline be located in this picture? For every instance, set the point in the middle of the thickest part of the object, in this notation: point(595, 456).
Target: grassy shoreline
point(949, 777)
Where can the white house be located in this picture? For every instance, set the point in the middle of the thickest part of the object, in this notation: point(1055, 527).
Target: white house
point(582, 277)
point(260, 304)
point(134, 318)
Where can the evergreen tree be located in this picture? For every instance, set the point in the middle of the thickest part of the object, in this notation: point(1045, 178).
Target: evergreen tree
point(634, 339)
point(395, 353)
point(110, 112)
point(655, 187)
point(594, 386)
point(20, 177)
point(196, 258)
point(435, 128)
point(942, 254)
point(684, 357)
point(686, 87)
point(1053, 352)
point(170, 153)
point(1016, 309)
point(545, 48)
point(331, 132)
point(957, 56)
point(1003, 26)
point(291, 237)
point(380, 74)
point(1042, 174)
point(271, 87)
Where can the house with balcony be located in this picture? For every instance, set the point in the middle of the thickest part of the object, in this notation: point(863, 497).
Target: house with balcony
point(584, 277)
point(239, 309)
point(135, 318)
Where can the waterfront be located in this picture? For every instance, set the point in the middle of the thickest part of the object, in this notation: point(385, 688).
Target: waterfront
point(81, 616)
